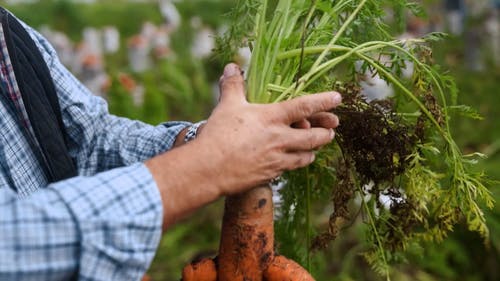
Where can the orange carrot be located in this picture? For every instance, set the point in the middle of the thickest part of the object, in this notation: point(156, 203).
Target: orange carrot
point(246, 250)
point(283, 269)
point(247, 239)
point(203, 270)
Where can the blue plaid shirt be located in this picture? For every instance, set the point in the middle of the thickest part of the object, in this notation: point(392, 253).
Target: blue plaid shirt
point(104, 224)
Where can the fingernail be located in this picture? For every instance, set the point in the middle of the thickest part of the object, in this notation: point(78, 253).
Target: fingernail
point(337, 98)
point(313, 157)
point(332, 134)
point(231, 70)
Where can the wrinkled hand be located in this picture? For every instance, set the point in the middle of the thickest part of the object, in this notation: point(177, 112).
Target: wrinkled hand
point(253, 143)
point(242, 146)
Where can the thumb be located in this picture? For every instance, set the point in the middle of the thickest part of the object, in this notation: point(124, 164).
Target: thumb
point(232, 85)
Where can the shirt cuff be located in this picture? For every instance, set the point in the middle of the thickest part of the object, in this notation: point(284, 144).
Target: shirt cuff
point(119, 216)
point(173, 129)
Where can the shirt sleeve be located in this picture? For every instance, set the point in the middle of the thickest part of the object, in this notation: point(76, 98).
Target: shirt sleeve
point(105, 227)
point(98, 140)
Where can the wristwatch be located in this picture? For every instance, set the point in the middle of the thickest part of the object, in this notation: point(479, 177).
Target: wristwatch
point(193, 131)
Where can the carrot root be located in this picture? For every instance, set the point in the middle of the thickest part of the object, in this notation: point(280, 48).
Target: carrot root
point(203, 270)
point(246, 250)
point(283, 269)
point(247, 239)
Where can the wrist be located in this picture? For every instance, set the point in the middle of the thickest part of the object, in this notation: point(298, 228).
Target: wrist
point(179, 140)
point(189, 133)
point(186, 180)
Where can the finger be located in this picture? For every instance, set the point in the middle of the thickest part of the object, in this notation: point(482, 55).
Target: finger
point(302, 124)
point(298, 160)
point(308, 139)
point(232, 85)
point(324, 120)
point(305, 106)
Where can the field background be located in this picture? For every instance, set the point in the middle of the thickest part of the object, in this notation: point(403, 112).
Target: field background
point(182, 89)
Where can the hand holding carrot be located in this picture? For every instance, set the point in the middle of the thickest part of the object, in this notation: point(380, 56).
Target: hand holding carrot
point(258, 141)
point(242, 145)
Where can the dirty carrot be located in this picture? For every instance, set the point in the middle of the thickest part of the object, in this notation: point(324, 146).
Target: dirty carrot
point(284, 269)
point(203, 270)
point(247, 239)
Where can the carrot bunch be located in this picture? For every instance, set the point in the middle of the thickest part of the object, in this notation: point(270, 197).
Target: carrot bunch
point(247, 245)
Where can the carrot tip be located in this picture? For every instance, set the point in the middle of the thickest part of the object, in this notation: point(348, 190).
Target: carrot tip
point(283, 269)
point(203, 270)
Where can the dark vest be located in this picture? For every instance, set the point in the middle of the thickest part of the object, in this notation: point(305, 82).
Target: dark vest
point(40, 101)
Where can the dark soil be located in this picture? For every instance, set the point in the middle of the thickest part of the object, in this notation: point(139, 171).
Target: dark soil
point(375, 144)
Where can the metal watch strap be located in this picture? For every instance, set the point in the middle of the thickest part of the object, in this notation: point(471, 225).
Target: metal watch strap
point(193, 131)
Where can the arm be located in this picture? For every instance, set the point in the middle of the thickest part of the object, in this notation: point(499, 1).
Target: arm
point(105, 227)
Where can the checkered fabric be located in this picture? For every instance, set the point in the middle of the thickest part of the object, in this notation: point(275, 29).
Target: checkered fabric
point(104, 224)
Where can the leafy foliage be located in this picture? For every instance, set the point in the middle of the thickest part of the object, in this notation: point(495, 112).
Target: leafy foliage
point(398, 160)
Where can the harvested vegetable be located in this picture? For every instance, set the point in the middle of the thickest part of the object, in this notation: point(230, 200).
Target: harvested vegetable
point(397, 157)
point(283, 269)
point(246, 250)
point(247, 238)
point(202, 270)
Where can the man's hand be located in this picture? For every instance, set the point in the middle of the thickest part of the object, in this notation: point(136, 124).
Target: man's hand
point(256, 143)
point(241, 146)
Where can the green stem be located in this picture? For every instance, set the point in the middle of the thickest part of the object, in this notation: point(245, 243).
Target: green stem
point(315, 73)
point(303, 41)
point(374, 228)
point(276, 88)
point(308, 220)
point(278, 33)
point(339, 33)
point(311, 50)
point(260, 28)
point(359, 50)
point(339, 48)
